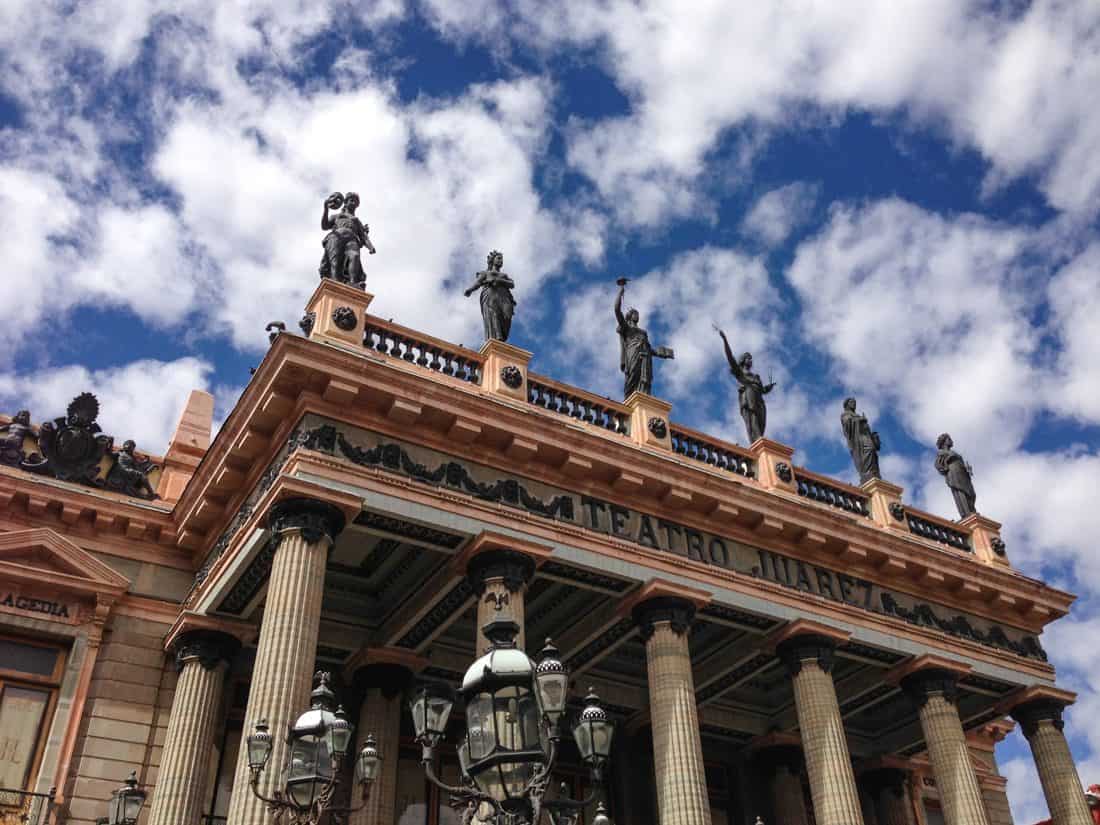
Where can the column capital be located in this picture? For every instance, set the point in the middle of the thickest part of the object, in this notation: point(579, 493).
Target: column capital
point(1044, 709)
point(808, 647)
point(921, 685)
point(677, 611)
point(208, 647)
point(389, 669)
point(806, 640)
point(492, 555)
point(313, 517)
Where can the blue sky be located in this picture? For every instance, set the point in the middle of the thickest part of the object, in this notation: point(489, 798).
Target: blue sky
point(897, 200)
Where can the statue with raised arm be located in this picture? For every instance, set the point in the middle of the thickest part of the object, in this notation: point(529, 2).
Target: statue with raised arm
point(347, 237)
point(497, 304)
point(863, 442)
point(635, 353)
point(957, 473)
point(750, 393)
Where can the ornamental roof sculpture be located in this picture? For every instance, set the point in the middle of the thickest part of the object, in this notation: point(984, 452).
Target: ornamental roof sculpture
point(74, 448)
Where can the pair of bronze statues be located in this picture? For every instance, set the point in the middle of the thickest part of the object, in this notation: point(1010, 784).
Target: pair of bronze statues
point(864, 445)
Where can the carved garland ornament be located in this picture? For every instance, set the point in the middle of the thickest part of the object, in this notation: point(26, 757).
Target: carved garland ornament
point(897, 510)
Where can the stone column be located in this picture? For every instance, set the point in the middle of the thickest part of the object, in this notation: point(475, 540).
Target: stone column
point(889, 790)
point(677, 747)
point(808, 659)
point(783, 764)
point(1042, 724)
point(500, 578)
point(934, 692)
point(202, 658)
point(303, 530)
point(380, 716)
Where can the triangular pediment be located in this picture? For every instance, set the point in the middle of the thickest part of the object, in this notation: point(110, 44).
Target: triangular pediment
point(47, 557)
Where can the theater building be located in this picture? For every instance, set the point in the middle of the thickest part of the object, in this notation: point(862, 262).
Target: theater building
point(771, 642)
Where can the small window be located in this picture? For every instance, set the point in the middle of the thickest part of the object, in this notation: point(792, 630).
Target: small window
point(17, 657)
point(30, 674)
point(22, 712)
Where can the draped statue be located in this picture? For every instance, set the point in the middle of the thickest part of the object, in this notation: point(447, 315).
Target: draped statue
point(347, 236)
point(497, 304)
point(957, 473)
point(750, 393)
point(863, 443)
point(635, 353)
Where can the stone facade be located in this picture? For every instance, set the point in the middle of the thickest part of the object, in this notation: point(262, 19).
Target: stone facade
point(377, 497)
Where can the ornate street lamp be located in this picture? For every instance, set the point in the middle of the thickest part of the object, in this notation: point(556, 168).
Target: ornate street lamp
point(126, 802)
point(514, 710)
point(317, 745)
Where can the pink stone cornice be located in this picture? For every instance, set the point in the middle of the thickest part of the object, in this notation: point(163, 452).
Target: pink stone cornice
point(1034, 693)
point(488, 540)
point(188, 621)
point(804, 627)
point(293, 378)
point(927, 661)
point(662, 588)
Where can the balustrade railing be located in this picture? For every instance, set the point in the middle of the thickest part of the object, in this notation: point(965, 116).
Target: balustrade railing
point(929, 527)
point(25, 807)
point(698, 447)
point(423, 350)
point(559, 398)
point(825, 491)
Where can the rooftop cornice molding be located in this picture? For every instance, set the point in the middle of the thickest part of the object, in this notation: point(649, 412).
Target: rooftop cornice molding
point(297, 376)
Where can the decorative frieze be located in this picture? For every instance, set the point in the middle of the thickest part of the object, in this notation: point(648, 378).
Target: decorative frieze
point(662, 535)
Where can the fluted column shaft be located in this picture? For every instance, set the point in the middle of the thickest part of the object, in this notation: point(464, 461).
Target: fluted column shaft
point(889, 789)
point(202, 658)
point(824, 745)
point(934, 693)
point(287, 648)
point(381, 717)
point(677, 746)
point(788, 802)
point(1043, 726)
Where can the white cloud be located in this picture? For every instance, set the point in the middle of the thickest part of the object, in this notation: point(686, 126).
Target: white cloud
point(1074, 295)
point(1017, 86)
point(433, 216)
point(925, 313)
point(142, 400)
point(779, 212)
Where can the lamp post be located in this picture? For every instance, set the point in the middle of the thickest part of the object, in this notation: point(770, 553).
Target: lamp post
point(126, 801)
point(514, 713)
point(317, 745)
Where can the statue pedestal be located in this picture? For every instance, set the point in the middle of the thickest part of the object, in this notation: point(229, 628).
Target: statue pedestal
point(650, 424)
point(884, 494)
point(338, 311)
point(985, 538)
point(505, 370)
point(774, 467)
